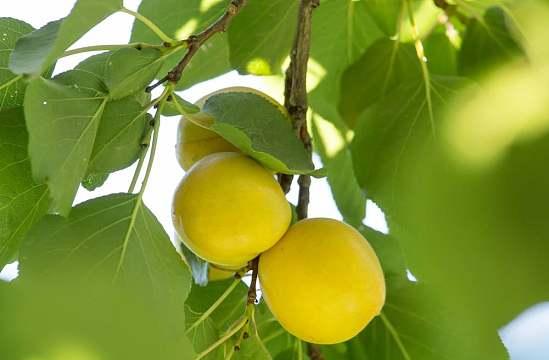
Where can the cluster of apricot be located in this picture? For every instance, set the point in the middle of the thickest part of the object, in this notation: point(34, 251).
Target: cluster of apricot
point(320, 277)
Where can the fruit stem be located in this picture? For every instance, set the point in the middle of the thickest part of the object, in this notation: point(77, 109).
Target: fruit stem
point(214, 306)
point(150, 24)
point(252, 290)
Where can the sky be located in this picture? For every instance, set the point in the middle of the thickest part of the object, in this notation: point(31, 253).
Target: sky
point(526, 337)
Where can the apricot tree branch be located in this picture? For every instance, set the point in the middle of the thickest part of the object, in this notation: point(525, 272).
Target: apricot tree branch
point(295, 94)
point(295, 101)
point(194, 42)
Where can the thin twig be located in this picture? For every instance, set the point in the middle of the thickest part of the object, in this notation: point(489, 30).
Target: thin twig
point(194, 42)
point(295, 94)
point(252, 290)
point(295, 101)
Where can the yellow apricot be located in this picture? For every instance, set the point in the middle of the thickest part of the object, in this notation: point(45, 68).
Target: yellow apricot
point(194, 142)
point(215, 274)
point(322, 281)
point(228, 209)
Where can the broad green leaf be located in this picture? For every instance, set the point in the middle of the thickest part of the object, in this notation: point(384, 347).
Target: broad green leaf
point(22, 201)
point(179, 22)
point(413, 325)
point(181, 108)
point(259, 128)
point(62, 122)
point(261, 36)
point(122, 125)
point(252, 348)
point(279, 342)
point(219, 321)
point(12, 88)
point(441, 53)
point(129, 70)
point(385, 64)
point(386, 132)
point(388, 250)
point(334, 48)
point(333, 149)
point(487, 43)
point(119, 136)
point(386, 13)
point(115, 237)
point(36, 51)
point(52, 319)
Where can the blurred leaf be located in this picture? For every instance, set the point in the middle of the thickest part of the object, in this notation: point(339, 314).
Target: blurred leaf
point(129, 70)
point(336, 158)
point(36, 51)
point(386, 132)
point(441, 53)
point(386, 14)
point(415, 326)
point(487, 43)
point(12, 90)
point(388, 250)
point(179, 22)
point(62, 122)
point(173, 109)
point(261, 36)
point(22, 201)
point(258, 127)
point(384, 65)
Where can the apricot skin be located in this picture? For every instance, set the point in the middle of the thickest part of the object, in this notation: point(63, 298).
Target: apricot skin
point(228, 209)
point(322, 281)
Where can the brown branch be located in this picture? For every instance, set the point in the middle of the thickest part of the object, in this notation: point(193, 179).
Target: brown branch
point(252, 292)
point(295, 101)
point(194, 42)
point(295, 92)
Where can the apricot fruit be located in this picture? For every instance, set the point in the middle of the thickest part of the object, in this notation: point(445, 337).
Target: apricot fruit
point(194, 142)
point(322, 281)
point(228, 209)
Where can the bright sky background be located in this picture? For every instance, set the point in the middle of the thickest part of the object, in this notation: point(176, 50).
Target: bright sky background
point(527, 337)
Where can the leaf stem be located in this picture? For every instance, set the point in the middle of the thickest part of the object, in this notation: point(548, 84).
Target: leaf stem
point(15, 79)
point(214, 306)
point(395, 335)
point(100, 48)
point(144, 145)
point(224, 338)
point(151, 25)
point(423, 63)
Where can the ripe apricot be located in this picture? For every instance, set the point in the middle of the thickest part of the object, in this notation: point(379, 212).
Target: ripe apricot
point(228, 209)
point(322, 281)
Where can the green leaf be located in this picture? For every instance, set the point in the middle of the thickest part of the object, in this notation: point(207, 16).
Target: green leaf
point(119, 136)
point(116, 237)
point(198, 267)
point(487, 43)
point(388, 250)
point(275, 338)
point(386, 131)
point(218, 322)
point(22, 201)
point(386, 14)
point(177, 106)
point(441, 53)
point(36, 51)
point(336, 157)
point(385, 64)
point(12, 88)
point(129, 70)
point(261, 36)
point(62, 122)
point(93, 181)
point(413, 325)
point(259, 128)
point(334, 48)
point(179, 22)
